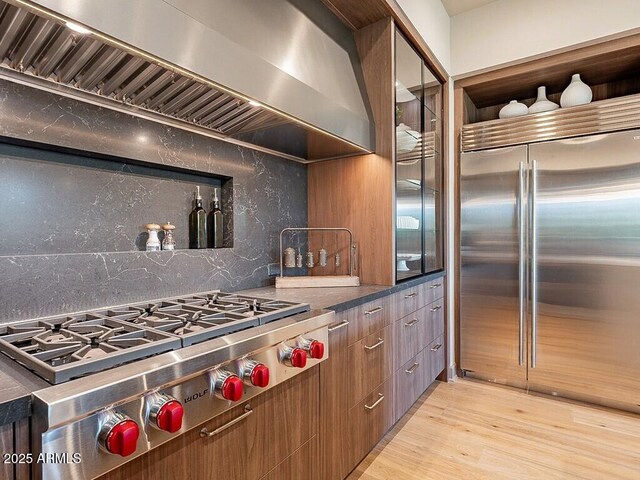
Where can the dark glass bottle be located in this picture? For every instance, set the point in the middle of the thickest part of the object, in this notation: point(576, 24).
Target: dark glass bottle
point(216, 221)
point(198, 224)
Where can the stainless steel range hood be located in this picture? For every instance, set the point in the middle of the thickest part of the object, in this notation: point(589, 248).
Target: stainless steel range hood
point(280, 76)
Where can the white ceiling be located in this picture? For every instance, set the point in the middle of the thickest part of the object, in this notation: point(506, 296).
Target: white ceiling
point(454, 7)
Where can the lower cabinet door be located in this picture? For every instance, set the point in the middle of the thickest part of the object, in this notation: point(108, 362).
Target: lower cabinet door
point(370, 420)
point(282, 420)
point(300, 465)
point(435, 355)
point(410, 381)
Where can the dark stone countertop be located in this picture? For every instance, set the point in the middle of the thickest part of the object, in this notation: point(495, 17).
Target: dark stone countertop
point(337, 298)
point(17, 383)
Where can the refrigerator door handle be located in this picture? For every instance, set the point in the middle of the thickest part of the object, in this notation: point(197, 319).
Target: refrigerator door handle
point(521, 262)
point(534, 263)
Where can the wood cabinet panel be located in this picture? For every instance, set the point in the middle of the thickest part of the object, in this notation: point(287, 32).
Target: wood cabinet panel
point(431, 291)
point(6, 446)
point(370, 362)
point(334, 404)
point(417, 330)
point(370, 420)
point(300, 465)
point(410, 381)
point(283, 419)
point(22, 441)
point(369, 318)
point(405, 302)
point(435, 358)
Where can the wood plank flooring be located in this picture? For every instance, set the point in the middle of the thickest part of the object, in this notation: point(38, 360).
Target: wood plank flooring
point(467, 430)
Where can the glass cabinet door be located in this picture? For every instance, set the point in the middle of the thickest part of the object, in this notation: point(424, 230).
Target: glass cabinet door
point(409, 161)
point(419, 236)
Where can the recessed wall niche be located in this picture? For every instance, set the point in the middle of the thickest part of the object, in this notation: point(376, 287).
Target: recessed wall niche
point(59, 202)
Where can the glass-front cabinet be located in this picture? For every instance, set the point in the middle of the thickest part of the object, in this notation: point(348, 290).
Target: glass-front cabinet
point(418, 106)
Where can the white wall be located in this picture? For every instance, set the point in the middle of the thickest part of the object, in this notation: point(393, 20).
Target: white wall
point(509, 30)
point(432, 22)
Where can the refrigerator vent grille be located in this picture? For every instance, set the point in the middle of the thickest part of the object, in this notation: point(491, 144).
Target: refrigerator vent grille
point(611, 115)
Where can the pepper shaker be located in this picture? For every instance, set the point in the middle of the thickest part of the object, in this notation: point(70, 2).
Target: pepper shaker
point(168, 242)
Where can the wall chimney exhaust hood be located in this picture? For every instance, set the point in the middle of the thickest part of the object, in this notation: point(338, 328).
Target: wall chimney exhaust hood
point(281, 76)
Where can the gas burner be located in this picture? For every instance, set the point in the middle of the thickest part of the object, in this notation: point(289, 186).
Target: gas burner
point(61, 348)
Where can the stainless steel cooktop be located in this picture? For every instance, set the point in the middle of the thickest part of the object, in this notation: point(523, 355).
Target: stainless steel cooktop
point(65, 347)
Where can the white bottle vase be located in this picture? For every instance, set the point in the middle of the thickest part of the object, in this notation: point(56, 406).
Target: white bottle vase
point(513, 109)
point(577, 93)
point(542, 104)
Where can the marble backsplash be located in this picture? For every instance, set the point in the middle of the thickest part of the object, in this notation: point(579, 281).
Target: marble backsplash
point(269, 193)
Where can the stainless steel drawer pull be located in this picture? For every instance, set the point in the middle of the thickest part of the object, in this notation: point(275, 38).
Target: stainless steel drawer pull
point(375, 345)
point(342, 324)
point(436, 308)
point(373, 310)
point(436, 348)
point(411, 323)
point(412, 368)
point(377, 402)
point(247, 411)
point(435, 285)
point(410, 295)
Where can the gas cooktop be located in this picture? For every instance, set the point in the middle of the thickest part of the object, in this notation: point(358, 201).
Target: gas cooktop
point(66, 347)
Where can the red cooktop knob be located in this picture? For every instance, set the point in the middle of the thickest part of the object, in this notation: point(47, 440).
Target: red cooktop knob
point(232, 388)
point(169, 417)
point(298, 358)
point(316, 349)
point(260, 375)
point(123, 438)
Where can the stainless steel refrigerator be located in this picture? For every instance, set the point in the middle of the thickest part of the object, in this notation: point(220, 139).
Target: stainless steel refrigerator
point(550, 267)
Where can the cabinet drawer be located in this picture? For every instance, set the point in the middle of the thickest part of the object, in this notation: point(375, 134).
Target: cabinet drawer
point(368, 318)
point(410, 381)
point(435, 358)
point(370, 420)
point(300, 465)
point(370, 363)
point(431, 291)
point(282, 419)
point(405, 302)
point(417, 330)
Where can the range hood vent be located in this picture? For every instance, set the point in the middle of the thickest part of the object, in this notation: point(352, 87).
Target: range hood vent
point(42, 49)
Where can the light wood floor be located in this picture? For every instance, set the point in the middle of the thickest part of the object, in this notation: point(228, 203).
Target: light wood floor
point(469, 430)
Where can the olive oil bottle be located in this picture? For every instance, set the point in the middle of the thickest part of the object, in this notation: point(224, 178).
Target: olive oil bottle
point(216, 221)
point(198, 224)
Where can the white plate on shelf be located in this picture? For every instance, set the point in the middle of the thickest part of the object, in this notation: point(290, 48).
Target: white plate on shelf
point(403, 258)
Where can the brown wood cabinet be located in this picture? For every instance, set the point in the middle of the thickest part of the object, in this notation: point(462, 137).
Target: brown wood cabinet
point(364, 391)
point(6, 446)
point(300, 465)
point(370, 363)
point(334, 403)
point(283, 419)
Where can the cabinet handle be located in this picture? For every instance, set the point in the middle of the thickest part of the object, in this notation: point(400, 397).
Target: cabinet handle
point(342, 324)
point(247, 411)
point(436, 308)
point(412, 368)
point(411, 323)
point(410, 295)
point(436, 348)
point(376, 403)
point(435, 285)
point(374, 310)
point(375, 345)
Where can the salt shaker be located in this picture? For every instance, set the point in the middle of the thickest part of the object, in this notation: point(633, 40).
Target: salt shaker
point(153, 242)
point(168, 242)
point(289, 257)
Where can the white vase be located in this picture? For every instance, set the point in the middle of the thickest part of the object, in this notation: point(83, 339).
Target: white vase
point(513, 109)
point(577, 93)
point(542, 104)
